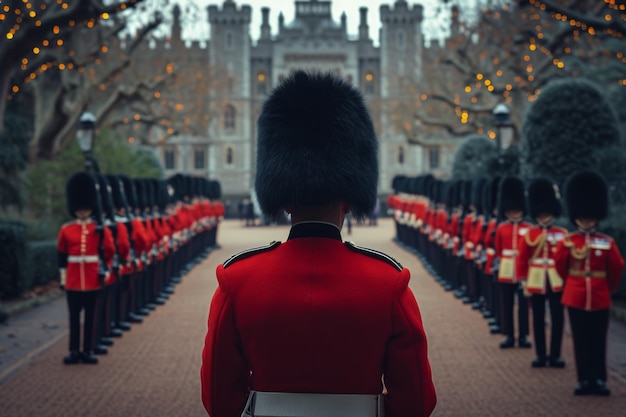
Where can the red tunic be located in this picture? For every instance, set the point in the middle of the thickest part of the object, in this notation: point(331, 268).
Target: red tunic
point(490, 252)
point(315, 315)
point(506, 243)
point(80, 242)
point(466, 236)
point(535, 259)
point(592, 266)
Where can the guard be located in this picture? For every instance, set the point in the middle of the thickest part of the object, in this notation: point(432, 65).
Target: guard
point(592, 267)
point(296, 327)
point(84, 247)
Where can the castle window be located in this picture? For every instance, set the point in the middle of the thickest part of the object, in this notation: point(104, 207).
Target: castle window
point(230, 158)
point(230, 117)
point(169, 158)
point(400, 39)
point(261, 84)
point(433, 158)
point(369, 83)
point(199, 158)
point(401, 155)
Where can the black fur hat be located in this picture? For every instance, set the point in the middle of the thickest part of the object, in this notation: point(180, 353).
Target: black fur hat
point(117, 188)
point(316, 145)
point(587, 196)
point(466, 195)
point(106, 196)
point(478, 184)
point(129, 191)
point(142, 194)
point(215, 188)
point(511, 195)
point(396, 182)
point(490, 195)
point(81, 193)
point(543, 198)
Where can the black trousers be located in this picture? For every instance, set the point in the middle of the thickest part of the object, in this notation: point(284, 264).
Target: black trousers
point(538, 303)
point(589, 329)
point(508, 292)
point(76, 302)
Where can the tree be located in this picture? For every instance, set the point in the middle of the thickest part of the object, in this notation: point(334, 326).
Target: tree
point(29, 28)
point(507, 53)
point(474, 158)
point(570, 127)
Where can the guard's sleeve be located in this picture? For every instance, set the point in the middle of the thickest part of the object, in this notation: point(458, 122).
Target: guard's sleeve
point(407, 373)
point(522, 259)
point(224, 373)
point(62, 249)
point(615, 268)
point(561, 258)
point(109, 245)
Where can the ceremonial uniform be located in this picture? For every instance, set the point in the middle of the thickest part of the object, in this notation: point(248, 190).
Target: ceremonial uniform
point(535, 265)
point(508, 233)
point(277, 308)
point(592, 267)
point(79, 245)
point(315, 321)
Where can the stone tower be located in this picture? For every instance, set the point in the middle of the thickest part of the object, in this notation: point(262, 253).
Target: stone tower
point(230, 147)
point(401, 63)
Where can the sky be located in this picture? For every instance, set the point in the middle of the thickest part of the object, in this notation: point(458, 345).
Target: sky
point(199, 29)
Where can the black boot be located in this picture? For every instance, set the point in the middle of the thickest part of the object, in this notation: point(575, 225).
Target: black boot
point(600, 388)
point(100, 350)
point(509, 342)
point(556, 363)
point(583, 388)
point(89, 358)
point(524, 343)
point(72, 358)
point(539, 363)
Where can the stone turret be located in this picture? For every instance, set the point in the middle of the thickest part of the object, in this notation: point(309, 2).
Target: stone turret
point(364, 29)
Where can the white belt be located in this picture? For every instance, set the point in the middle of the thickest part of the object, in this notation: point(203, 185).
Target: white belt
point(83, 259)
point(541, 262)
point(509, 252)
point(281, 404)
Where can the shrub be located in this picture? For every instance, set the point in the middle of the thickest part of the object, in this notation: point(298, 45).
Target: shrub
point(12, 258)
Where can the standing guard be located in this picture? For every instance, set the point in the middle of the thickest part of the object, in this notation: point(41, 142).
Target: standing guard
point(535, 266)
point(295, 327)
point(508, 233)
point(84, 248)
point(592, 266)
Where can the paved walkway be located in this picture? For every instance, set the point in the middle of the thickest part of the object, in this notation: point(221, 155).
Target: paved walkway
point(153, 370)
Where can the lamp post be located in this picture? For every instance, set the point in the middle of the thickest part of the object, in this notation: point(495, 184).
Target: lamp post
point(85, 137)
point(502, 119)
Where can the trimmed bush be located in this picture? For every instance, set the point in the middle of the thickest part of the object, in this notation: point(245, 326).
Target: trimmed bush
point(12, 258)
point(42, 264)
point(474, 158)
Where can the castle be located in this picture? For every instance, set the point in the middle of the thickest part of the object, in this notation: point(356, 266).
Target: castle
point(388, 76)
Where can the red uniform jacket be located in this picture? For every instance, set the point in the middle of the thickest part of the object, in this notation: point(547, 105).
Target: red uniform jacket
point(466, 235)
point(592, 266)
point(535, 259)
point(506, 243)
point(123, 250)
point(490, 251)
point(315, 315)
point(80, 242)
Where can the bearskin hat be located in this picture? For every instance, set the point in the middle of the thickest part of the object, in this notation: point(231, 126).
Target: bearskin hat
point(490, 195)
point(106, 196)
point(142, 194)
point(586, 196)
point(215, 190)
point(511, 195)
point(542, 197)
point(466, 195)
point(477, 193)
point(130, 191)
point(397, 182)
point(452, 194)
point(81, 193)
point(117, 189)
point(316, 145)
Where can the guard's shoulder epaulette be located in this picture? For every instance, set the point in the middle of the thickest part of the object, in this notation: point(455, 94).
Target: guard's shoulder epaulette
point(250, 252)
point(374, 254)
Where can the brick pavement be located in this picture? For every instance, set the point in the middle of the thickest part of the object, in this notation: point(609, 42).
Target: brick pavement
point(153, 370)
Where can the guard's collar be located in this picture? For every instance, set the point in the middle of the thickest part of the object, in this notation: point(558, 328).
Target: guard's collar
point(314, 229)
